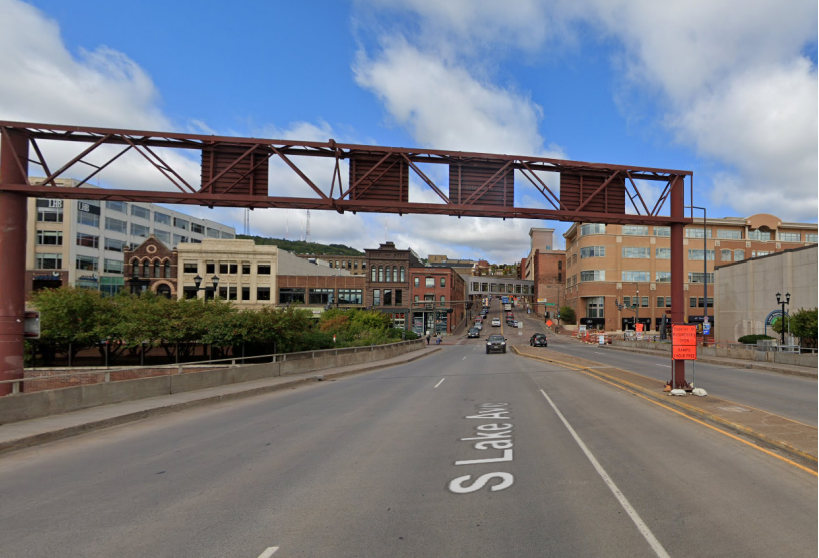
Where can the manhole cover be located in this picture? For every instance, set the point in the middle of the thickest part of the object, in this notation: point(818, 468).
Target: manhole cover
point(735, 409)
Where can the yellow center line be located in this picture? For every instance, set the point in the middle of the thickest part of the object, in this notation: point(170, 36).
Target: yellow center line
point(746, 442)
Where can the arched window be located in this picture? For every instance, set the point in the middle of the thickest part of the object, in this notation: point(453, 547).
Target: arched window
point(157, 270)
point(363, 265)
point(395, 274)
point(402, 274)
point(372, 274)
point(349, 264)
point(167, 269)
point(380, 274)
point(146, 269)
point(389, 274)
point(135, 268)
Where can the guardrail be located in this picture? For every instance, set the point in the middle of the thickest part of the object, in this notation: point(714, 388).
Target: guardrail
point(97, 375)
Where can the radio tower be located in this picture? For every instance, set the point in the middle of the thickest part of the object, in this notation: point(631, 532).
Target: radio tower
point(307, 228)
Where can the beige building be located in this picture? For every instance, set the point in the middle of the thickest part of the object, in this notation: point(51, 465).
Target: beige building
point(745, 298)
point(631, 265)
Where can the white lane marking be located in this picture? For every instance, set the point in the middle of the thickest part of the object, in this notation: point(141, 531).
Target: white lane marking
point(663, 365)
point(632, 513)
point(463, 358)
point(439, 383)
point(269, 552)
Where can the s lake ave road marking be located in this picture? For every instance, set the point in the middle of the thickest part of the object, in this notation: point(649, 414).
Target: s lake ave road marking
point(269, 552)
point(439, 383)
point(632, 513)
point(494, 436)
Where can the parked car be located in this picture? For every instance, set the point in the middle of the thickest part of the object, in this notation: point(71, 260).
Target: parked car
point(538, 340)
point(495, 343)
point(473, 332)
point(495, 322)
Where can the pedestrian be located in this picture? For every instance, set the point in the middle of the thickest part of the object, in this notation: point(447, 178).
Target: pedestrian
point(438, 339)
point(427, 338)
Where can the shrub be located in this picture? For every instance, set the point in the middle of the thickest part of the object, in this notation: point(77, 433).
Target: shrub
point(752, 339)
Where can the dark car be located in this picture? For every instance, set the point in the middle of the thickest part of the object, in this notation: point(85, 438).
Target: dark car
point(539, 340)
point(473, 332)
point(495, 343)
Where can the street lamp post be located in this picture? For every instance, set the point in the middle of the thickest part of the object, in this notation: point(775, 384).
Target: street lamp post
point(198, 281)
point(783, 302)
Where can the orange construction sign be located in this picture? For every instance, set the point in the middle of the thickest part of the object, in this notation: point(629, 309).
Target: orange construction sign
point(639, 327)
point(684, 352)
point(549, 323)
point(684, 335)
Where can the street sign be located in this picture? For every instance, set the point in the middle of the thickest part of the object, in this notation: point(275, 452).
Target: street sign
point(549, 304)
point(684, 335)
point(684, 352)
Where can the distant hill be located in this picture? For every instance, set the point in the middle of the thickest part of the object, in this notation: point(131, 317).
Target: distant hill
point(301, 247)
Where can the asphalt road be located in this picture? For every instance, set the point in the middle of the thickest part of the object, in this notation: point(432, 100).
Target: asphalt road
point(793, 397)
point(386, 464)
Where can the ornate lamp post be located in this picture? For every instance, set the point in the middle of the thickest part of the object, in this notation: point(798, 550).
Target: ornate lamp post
point(198, 281)
point(783, 302)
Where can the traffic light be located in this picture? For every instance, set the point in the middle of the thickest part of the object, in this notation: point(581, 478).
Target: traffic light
point(558, 315)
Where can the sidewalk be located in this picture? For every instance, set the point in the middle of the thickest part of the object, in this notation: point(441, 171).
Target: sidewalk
point(788, 369)
point(793, 438)
point(18, 435)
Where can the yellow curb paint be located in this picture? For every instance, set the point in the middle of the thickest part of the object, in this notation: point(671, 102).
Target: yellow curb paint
point(597, 375)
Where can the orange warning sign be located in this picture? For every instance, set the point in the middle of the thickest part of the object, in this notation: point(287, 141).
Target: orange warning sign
point(684, 352)
point(639, 327)
point(684, 335)
point(549, 323)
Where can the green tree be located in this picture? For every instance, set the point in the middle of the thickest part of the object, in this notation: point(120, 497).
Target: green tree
point(567, 315)
point(71, 319)
point(802, 324)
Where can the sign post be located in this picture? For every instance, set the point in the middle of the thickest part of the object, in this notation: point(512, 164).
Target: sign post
point(684, 344)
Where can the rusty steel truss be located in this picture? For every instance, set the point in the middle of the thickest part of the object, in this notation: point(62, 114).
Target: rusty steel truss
point(235, 172)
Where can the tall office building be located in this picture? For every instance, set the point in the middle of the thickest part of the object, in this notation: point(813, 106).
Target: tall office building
point(81, 243)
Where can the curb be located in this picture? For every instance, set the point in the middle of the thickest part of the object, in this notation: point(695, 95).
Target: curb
point(54, 435)
point(751, 364)
point(699, 413)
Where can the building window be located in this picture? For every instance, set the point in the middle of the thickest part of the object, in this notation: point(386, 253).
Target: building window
point(635, 252)
point(55, 238)
point(376, 297)
point(261, 269)
point(228, 293)
point(790, 237)
point(596, 275)
point(245, 293)
point(429, 282)
point(167, 266)
point(417, 298)
point(142, 212)
point(158, 270)
point(443, 298)
point(87, 263)
point(164, 236)
point(355, 265)
point(49, 261)
point(475, 287)
point(389, 275)
point(697, 255)
point(660, 302)
point(739, 255)
point(592, 252)
point(559, 264)
point(291, 295)
point(725, 255)
point(50, 211)
point(135, 268)
point(637, 276)
point(662, 253)
point(399, 299)
point(228, 268)
point(114, 245)
point(416, 281)
point(93, 220)
point(759, 235)
point(112, 266)
point(214, 233)
point(343, 264)
point(594, 307)
point(696, 277)
point(227, 235)
point(162, 218)
point(245, 268)
point(179, 239)
point(122, 207)
point(811, 237)
point(262, 293)
point(403, 279)
point(190, 267)
point(697, 232)
point(320, 296)
point(140, 230)
point(730, 234)
point(662, 276)
point(662, 231)
point(592, 228)
point(627, 301)
point(181, 223)
point(116, 225)
point(146, 269)
point(759, 253)
point(387, 297)
point(350, 296)
point(197, 228)
point(635, 230)
point(443, 281)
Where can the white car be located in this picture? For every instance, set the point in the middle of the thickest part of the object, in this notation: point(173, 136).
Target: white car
point(495, 322)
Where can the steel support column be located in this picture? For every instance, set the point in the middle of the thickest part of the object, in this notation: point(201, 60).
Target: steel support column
point(677, 196)
point(13, 209)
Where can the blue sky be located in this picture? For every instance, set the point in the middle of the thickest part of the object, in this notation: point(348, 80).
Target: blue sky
point(727, 89)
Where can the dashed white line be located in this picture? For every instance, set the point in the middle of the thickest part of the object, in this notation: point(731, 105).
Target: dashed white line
point(663, 365)
point(632, 513)
point(439, 383)
point(269, 552)
point(463, 358)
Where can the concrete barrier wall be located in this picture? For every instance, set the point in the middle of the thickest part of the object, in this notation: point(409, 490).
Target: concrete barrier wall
point(14, 408)
point(793, 359)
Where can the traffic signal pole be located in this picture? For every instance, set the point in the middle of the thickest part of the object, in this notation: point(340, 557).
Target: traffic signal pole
point(13, 209)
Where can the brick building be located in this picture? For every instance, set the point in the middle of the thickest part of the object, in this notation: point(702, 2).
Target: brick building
point(151, 266)
point(355, 265)
point(387, 287)
point(631, 264)
point(439, 301)
point(544, 266)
